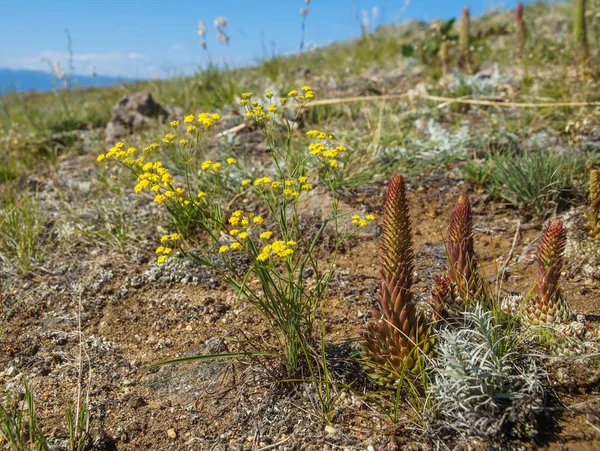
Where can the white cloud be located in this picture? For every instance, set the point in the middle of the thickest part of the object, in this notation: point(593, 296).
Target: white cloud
point(178, 47)
point(135, 56)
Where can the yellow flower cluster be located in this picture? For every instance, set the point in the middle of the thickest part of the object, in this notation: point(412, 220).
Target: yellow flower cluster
point(119, 153)
point(291, 188)
point(156, 178)
point(362, 222)
point(262, 114)
point(215, 166)
point(204, 119)
point(324, 149)
point(164, 250)
point(242, 222)
point(276, 248)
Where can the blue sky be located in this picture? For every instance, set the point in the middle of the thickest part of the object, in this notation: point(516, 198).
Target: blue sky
point(146, 39)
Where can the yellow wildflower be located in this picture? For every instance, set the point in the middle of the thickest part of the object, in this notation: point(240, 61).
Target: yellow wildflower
point(101, 157)
point(188, 119)
point(160, 198)
point(202, 195)
point(206, 165)
point(174, 237)
point(191, 129)
point(283, 101)
point(306, 88)
point(258, 220)
point(234, 232)
point(184, 142)
point(370, 217)
point(164, 238)
point(244, 235)
point(306, 187)
point(272, 109)
point(217, 167)
point(160, 249)
point(223, 249)
point(334, 163)
point(235, 245)
point(160, 260)
point(246, 95)
point(231, 161)
point(246, 182)
point(303, 179)
point(262, 257)
point(269, 94)
point(266, 235)
point(168, 138)
point(167, 250)
point(174, 124)
point(275, 185)
point(155, 188)
point(292, 93)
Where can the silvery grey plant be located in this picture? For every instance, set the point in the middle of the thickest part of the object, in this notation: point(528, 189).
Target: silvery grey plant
point(482, 381)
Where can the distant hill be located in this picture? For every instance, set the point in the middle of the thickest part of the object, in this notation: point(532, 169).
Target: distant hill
point(34, 80)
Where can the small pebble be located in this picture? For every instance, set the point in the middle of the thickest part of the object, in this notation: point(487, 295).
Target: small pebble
point(171, 433)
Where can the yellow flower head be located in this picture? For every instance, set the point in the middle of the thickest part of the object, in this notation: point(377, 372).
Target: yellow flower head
point(174, 124)
point(258, 220)
point(244, 235)
point(303, 179)
point(246, 95)
point(235, 245)
point(168, 138)
point(202, 195)
point(370, 217)
point(306, 88)
point(191, 129)
point(160, 249)
point(188, 119)
point(266, 235)
point(206, 165)
point(231, 161)
point(223, 249)
point(292, 93)
point(272, 109)
point(101, 157)
point(269, 94)
point(164, 238)
point(246, 182)
point(184, 142)
point(217, 167)
point(160, 260)
point(174, 237)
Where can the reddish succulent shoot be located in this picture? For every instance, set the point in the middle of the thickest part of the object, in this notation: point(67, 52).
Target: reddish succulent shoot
point(396, 341)
point(463, 268)
point(548, 305)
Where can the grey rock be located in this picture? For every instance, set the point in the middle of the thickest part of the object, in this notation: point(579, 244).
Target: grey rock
point(134, 112)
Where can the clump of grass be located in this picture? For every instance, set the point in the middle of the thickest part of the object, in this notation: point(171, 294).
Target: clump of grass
point(20, 427)
point(538, 181)
point(25, 233)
